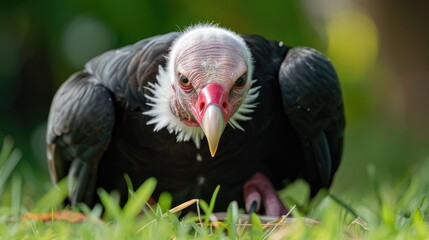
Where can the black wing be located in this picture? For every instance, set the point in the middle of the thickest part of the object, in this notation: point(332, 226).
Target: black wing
point(82, 115)
point(312, 100)
point(126, 71)
point(80, 125)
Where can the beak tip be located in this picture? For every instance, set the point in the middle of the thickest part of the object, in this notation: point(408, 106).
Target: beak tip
point(213, 125)
point(212, 152)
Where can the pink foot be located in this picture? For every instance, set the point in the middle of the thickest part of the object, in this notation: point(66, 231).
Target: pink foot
point(260, 190)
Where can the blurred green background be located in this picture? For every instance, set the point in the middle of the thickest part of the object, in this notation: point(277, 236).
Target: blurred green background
point(379, 48)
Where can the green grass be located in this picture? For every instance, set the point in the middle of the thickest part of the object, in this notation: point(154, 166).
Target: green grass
point(397, 211)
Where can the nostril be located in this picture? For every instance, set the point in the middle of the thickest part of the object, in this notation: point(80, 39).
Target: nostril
point(202, 105)
point(225, 105)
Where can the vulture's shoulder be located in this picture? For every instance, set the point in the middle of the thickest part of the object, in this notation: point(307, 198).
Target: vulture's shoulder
point(266, 53)
point(127, 71)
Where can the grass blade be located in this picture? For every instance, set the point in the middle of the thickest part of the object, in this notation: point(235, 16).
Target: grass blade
point(112, 207)
point(6, 149)
point(16, 190)
point(209, 210)
point(232, 218)
point(134, 205)
point(52, 199)
point(8, 166)
point(344, 205)
point(165, 200)
point(375, 182)
point(257, 230)
point(129, 185)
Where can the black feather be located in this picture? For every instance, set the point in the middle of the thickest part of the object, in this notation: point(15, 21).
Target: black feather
point(97, 132)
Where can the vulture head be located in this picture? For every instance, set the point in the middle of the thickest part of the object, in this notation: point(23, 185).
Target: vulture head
point(206, 85)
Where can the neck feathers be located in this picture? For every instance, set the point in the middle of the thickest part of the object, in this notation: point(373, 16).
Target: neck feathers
point(163, 117)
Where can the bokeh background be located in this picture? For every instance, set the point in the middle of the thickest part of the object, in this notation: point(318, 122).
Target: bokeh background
point(379, 48)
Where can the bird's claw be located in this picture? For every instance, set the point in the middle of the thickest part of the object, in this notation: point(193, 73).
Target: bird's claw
point(258, 191)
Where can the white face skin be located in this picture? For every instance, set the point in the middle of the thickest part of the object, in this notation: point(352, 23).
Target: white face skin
point(207, 57)
point(206, 64)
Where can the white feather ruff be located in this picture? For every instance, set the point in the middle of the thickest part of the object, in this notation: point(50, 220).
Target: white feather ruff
point(163, 117)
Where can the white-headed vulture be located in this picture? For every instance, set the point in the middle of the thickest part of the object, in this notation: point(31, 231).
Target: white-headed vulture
point(197, 109)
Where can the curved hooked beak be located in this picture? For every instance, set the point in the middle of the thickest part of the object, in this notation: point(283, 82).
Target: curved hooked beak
point(213, 125)
point(213, 113)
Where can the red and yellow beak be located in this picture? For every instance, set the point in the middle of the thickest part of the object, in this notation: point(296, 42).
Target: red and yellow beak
point(213, 113)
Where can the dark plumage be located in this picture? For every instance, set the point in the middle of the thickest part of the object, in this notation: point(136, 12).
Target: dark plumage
point(97, 131)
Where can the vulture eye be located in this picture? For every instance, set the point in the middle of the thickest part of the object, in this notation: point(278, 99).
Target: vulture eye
point(184, 82)
point(241, 81)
